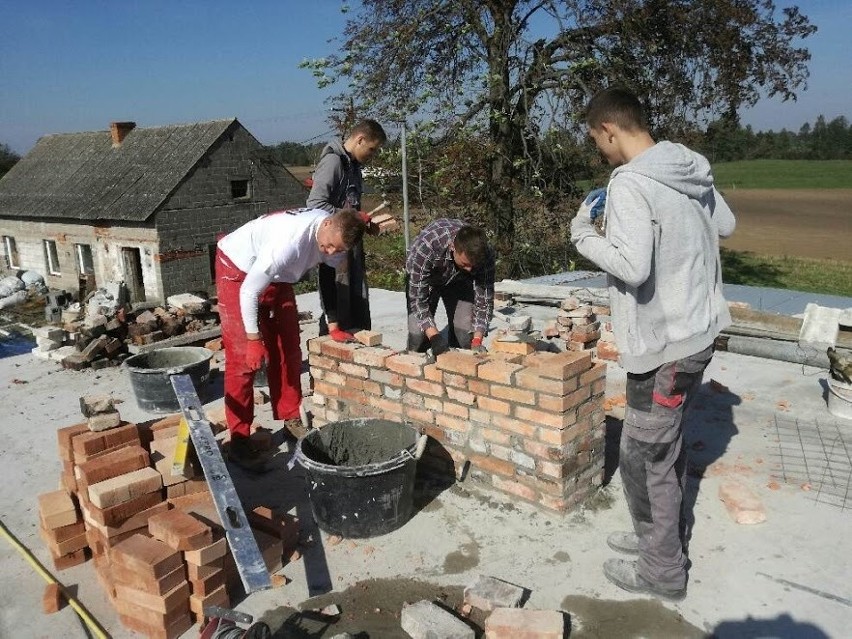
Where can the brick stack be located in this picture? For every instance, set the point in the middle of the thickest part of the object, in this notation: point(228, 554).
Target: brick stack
point(158, 545)
point(530, 425)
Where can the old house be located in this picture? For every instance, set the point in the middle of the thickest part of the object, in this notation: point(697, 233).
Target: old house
point(142, 205)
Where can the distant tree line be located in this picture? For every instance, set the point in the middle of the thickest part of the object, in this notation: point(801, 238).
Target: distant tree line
point(724, 142)
point(7, 158)
point(295, 154)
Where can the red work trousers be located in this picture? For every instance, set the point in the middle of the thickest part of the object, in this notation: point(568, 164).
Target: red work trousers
point(278, 321)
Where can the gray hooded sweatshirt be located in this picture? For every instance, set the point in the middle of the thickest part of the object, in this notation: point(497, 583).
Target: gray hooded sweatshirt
point(337, 180)
point(660, 250)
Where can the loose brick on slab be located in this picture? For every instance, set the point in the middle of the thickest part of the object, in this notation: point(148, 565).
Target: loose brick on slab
point(57, 509)
point(147, 584)
point(180, 530)
point(120, 513)
point(113, 464)
point(124, 488)
point(207, 554)
point(52, 599)
point(71, 559)
point(514, 623)
point(146, 556)
point(65, 436)
point(488, 593)
point(218, 597)
point(168, 601)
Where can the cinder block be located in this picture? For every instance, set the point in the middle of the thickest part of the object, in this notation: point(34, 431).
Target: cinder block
point(57, 509)
point(180, 530)
point(124, 488)
point(425, 620)
point(514, 623)
point(488, 593)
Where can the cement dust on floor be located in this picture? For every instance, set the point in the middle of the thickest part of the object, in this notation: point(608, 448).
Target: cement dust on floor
point(602, 619)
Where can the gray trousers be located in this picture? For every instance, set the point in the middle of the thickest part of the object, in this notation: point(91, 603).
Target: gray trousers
point(652, 460)
point(458, 302)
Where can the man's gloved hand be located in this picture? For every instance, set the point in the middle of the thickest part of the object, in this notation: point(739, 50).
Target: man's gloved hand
point(596, 203)
point(476, 345)
point(372, 228)
point(341, 336)
point(439, 344)
point(255, 354)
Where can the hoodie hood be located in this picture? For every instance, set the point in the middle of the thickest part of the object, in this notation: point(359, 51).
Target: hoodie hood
point(335, 147)
point(674, 166)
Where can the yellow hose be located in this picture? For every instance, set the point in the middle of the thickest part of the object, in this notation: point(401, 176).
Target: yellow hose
point(90, 622)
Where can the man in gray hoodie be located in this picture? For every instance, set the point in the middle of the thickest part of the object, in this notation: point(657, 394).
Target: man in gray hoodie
point(660, 248)
point(338, 184)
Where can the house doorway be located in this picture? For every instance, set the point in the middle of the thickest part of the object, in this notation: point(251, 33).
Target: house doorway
point(132, 261)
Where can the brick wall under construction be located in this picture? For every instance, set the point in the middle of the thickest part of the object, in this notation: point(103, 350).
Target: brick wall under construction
point(531, 426)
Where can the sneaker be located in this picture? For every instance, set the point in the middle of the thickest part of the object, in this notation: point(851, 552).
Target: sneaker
point(241, 451)
point(626, 542)
point(623, 574)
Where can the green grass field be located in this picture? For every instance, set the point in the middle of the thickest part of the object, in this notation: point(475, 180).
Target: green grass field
point(784, 174)
point(830, 277)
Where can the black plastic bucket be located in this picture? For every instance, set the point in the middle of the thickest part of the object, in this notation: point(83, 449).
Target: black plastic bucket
point(360, 475)
point(150, 375)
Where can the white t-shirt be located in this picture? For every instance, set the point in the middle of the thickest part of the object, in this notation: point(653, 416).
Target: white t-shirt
point(277, 247)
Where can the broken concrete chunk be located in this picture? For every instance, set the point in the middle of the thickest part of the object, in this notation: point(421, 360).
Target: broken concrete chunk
point(188, 302)
point(520, 323)
point(91, 405)
point(742, 504)
point(425, 620)
point(104, 421)
point(569, 303)
point(488, 593)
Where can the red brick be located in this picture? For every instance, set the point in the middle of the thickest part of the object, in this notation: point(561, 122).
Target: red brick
point(433, 374)
point(386, 405)
point(420, 415)
point(374, 388)
point(461, 362)
point(176, 598)
point(461, 396)
point(180, 530)
point(333, 377)
point(514, 426)
point(456, 410)
point(514, 488)
point(321, 361)
point(560, 366)
point(494, 405)
point(387, 377)
point(453, 423)
point(324, 388)
point(152, 621)
point(120, 513)
point(584, 338)
point(517, 623)
point(71, 559)
point(369, 338)
point(427, 388)
point(156, 586)
point(562, 403)
point(354, 369)
point(496, 436)
point(374, 356)
point(480, 416)
point(64, 439)
point(550, 469)
point(742, 504)
point(477, 387)
point(544, 418)
point(512, 394)
point(455, 380)
point(607, 351)
point(58, 548)
point(206, 585)
point(343, 352)
point(499, 371)
point(595, 373)
point(284, 526)
point(124, 488)
point(315, 344)
point(57, 509)
point(52, 599)
point(407, 364)
point(544, 451)
point(146, 556)
point(492, 465)
point(64, 533)
point(529, 378)
point(559, 436)
point(218, 597)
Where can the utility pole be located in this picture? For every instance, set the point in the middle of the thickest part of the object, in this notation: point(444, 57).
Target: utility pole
point(405, 217)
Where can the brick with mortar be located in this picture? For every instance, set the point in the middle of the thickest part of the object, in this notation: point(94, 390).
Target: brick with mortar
point(453, 423)
point(514, 488)
point(456, 410)
point(344, 352)
point(386, 405)
point(420, 415)
point(491, 465)
point(334, 377)
point(427, 388)
point(412, 399)
point(373, 388)
point(329, 390)
point(520, 395)
point(315, 344)
point(455, 380)
point(408, 364)
point(374, 356)
point(432, 373)
point(321, 361)
point(494, 405)
point(478, 387)
point(392, 393)
point(595, 373)
point(559, 366)
point(496, 436)
point(562, 403)
point(387, 377)
point(512, 425)
point(461, 362)
point(542, 450)
point(461, 396)
point(480, 416)
point(529, 378)
point(354, 369)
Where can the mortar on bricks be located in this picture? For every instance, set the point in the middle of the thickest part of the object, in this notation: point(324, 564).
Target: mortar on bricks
point(150, 375)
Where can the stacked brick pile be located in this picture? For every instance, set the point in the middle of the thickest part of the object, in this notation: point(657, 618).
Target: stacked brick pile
point(529, 425)
point(101, 340)
point(584, 327)
point(158, 545)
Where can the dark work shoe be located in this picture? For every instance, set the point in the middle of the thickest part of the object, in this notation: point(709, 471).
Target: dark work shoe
point(242, 452)
point(626, 542)
point(623, 574)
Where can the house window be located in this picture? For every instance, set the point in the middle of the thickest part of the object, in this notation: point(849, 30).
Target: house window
point(240, 189)
point(85, 261)
point(51, 257)
point(12, 260)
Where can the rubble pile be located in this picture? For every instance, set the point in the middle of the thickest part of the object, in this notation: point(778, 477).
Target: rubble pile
point(156, 539)
point(105, 329)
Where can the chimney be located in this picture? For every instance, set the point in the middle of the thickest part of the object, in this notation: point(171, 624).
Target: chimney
point(119, 131)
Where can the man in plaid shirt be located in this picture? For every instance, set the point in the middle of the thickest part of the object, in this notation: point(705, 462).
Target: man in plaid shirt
point(451, 261)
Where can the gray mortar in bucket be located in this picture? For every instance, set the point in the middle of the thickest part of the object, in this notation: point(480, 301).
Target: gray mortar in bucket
point(358, 442)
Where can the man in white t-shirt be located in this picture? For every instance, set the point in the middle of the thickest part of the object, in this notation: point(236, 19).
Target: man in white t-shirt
point(256, 266)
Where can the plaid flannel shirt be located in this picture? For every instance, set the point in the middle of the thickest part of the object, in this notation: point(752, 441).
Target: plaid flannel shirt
point(430, 267)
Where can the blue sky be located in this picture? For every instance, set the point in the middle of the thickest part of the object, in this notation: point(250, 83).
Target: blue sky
point(75, 66)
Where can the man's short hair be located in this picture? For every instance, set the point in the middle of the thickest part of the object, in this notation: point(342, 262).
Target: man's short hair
point(472, 243)
point(370, 129)
point(351, 226)
point(619, 106)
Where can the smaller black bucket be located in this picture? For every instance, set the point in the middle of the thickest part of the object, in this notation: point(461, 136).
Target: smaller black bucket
point(150, 375)
point(360, 475)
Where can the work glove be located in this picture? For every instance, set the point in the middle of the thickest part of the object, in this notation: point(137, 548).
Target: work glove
point(439, 344)
point(341, 336)
point(255, 354)
point(596, 203)
point(372, 227)
point(476, 345)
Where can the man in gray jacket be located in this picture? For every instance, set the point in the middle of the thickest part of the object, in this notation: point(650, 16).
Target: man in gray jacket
point(660, 248)
point(338, 184)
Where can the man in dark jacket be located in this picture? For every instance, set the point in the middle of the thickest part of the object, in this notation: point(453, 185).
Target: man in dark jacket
point(338, 184)
point(451, 261)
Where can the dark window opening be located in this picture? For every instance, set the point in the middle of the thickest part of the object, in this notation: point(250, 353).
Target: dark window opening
point(239, 189)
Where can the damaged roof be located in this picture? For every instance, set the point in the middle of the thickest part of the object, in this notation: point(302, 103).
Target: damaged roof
point(82, 176)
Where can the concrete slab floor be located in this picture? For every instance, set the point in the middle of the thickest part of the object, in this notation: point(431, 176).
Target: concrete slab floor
point(769, 428)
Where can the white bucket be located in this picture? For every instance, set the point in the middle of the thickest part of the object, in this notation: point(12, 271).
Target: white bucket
point(840, 399)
